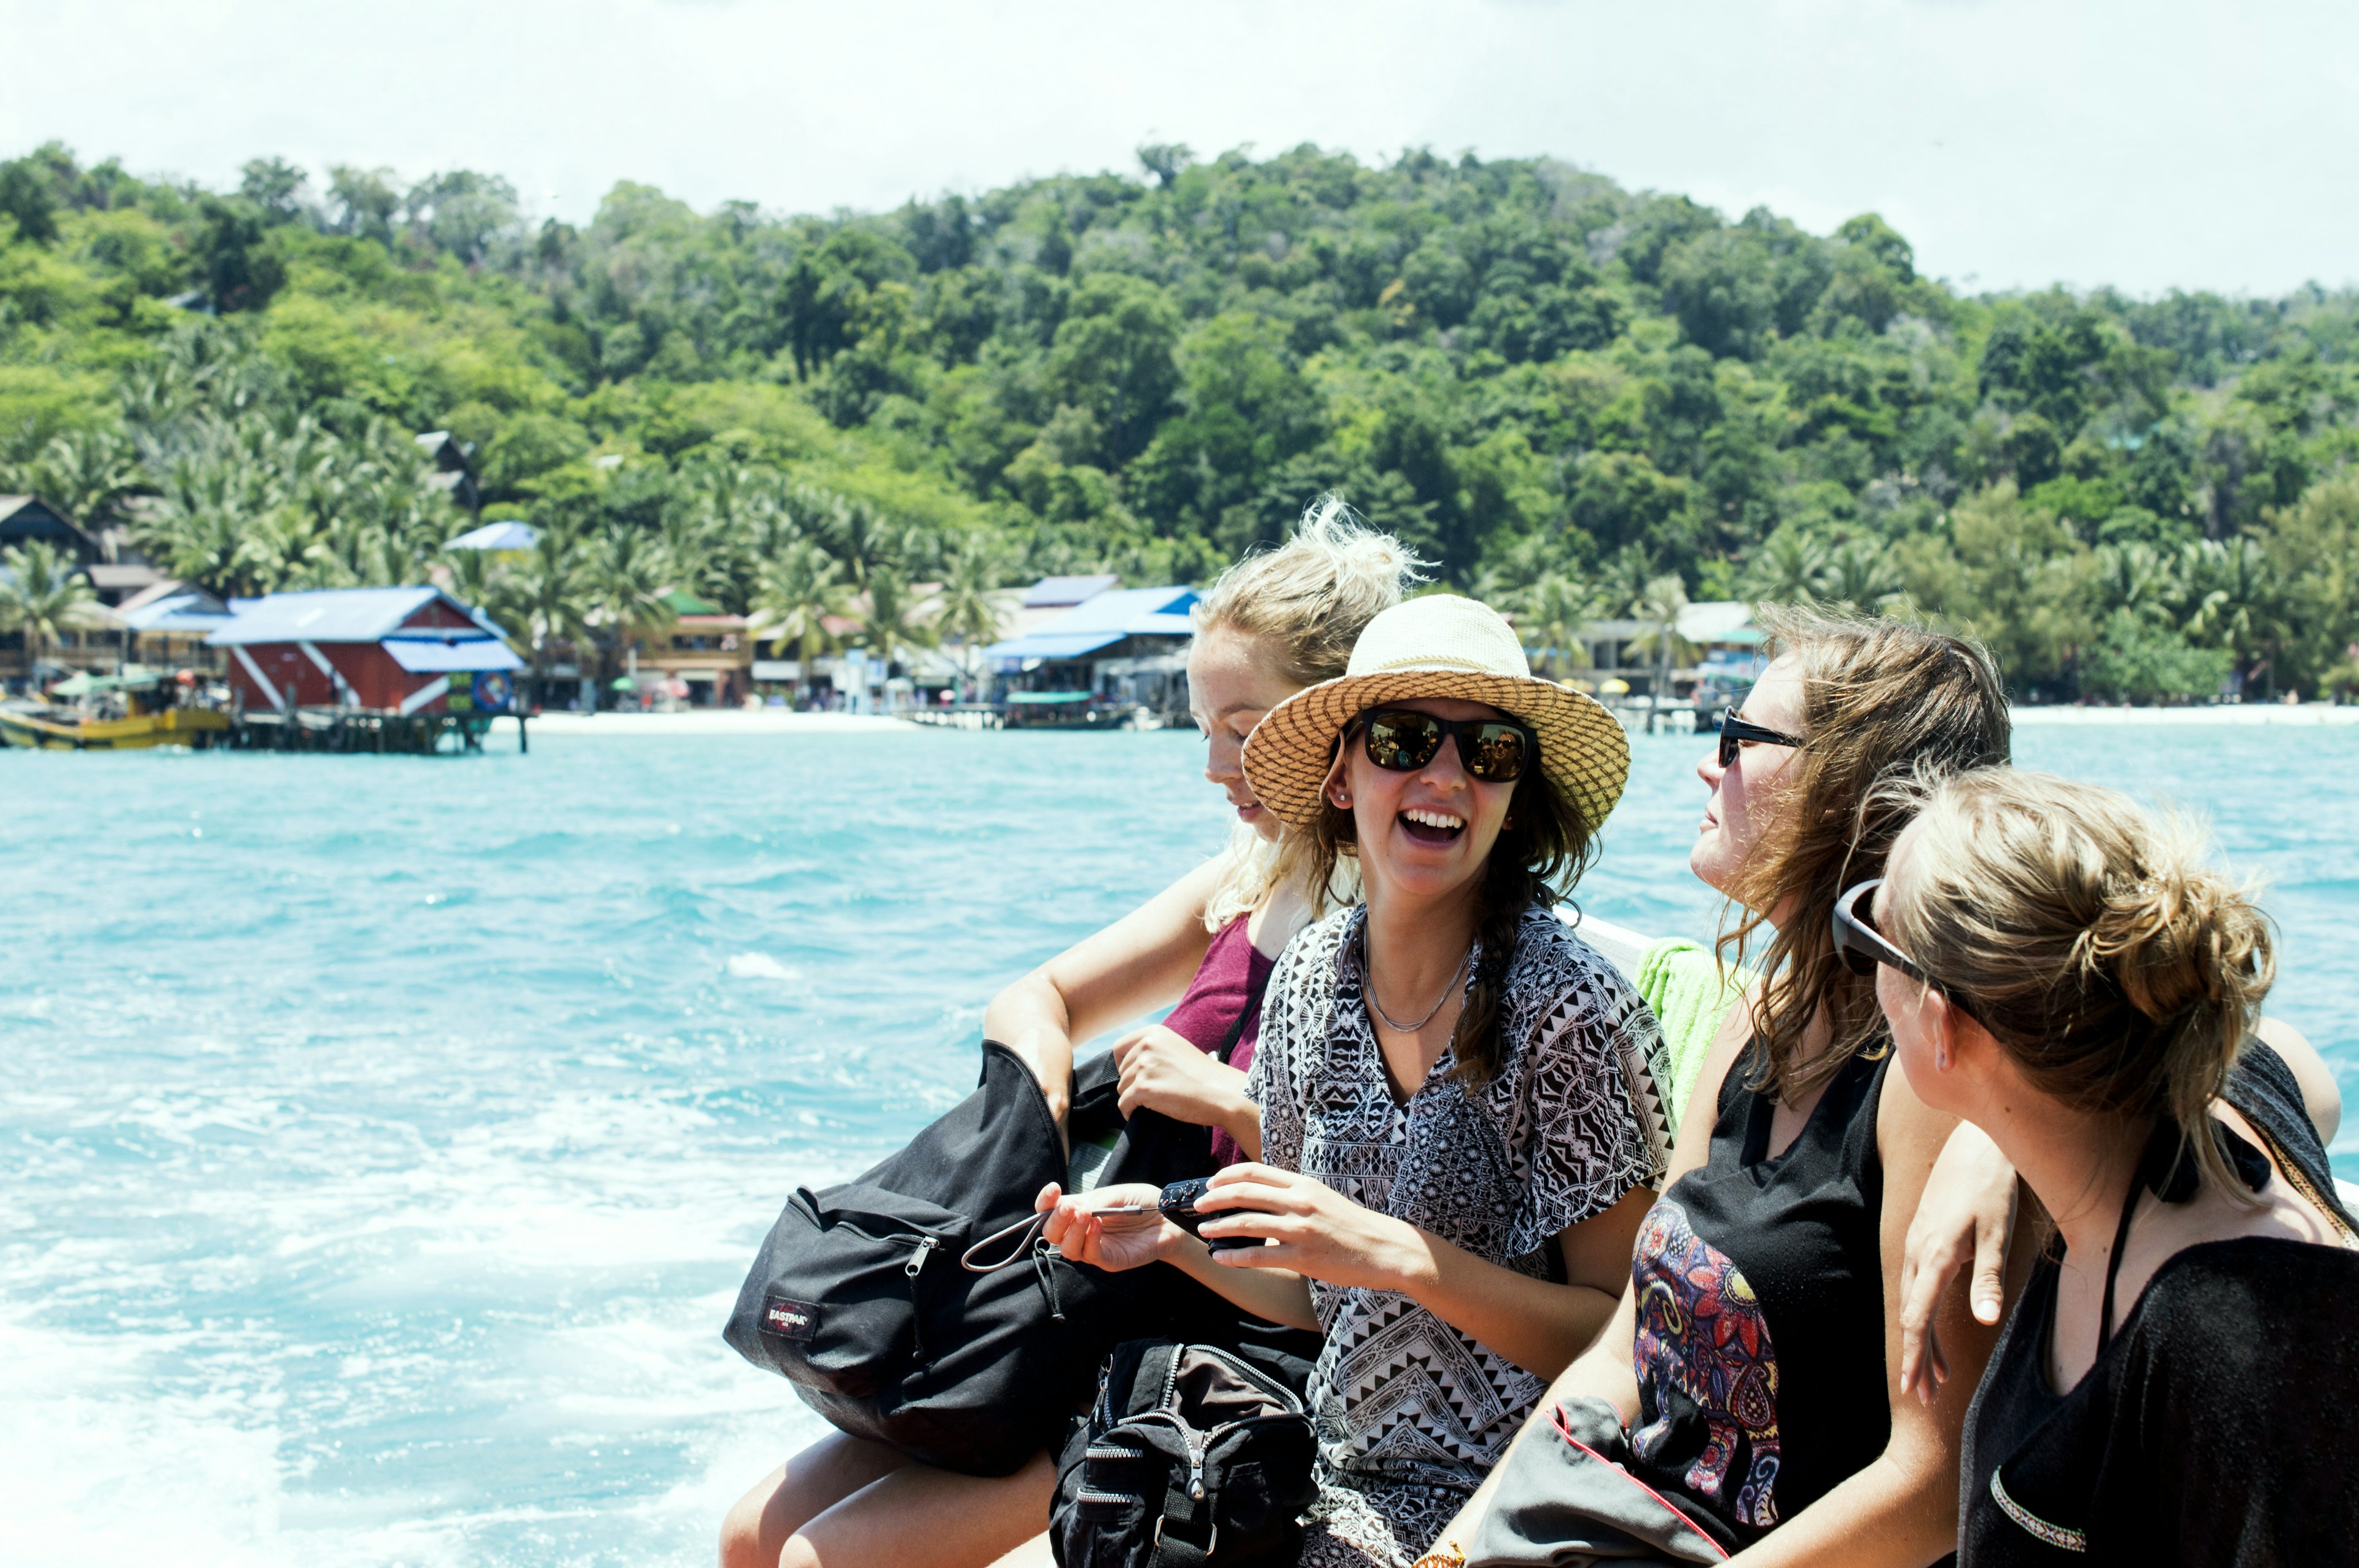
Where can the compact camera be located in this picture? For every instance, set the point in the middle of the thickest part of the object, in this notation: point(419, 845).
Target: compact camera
point(1178, 1205)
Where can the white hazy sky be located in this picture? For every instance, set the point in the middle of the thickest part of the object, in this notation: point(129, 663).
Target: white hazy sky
point(2016, 142)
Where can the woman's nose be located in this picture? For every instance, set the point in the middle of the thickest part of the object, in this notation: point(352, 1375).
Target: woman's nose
point(1708, 769)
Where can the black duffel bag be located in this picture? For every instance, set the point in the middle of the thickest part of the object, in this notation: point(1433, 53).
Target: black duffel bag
point(1193, 1456)
point(917, 1305)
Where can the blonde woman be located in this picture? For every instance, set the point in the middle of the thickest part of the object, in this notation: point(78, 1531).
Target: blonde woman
point(1273, 625)
point(2066, 971)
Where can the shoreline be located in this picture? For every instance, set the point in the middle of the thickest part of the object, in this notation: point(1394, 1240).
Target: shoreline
point(730, 721)
point(718, 721)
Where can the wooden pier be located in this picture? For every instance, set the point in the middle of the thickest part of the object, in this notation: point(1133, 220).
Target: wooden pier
point(365, 730)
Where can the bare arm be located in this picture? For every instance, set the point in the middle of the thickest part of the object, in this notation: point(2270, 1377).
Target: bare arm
point(1140, 962)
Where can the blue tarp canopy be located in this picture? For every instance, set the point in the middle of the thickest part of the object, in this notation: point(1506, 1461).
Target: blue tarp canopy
point(1047, 696)
point(419, 656)
point(1052, 645)
point(1105, 619)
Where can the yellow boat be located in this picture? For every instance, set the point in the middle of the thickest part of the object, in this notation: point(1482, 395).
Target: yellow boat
point(173, 727)
point(111, 713)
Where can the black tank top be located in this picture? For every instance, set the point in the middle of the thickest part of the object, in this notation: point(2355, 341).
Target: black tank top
point(2200, 1410)
point(1760, 1291)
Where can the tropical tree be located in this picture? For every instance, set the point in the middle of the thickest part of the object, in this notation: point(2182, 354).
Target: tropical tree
point(86, 474)
point(1789, 568)
point(1860, 574)
point(1658, 609)
point(800, 589)
point(625, 577)
point(895, 622)
point(554, 596)
point(1549, 616)
point(43, 594)
point(971, 612)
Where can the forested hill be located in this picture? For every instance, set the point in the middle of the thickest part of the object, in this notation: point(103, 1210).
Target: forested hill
point(1567, 393)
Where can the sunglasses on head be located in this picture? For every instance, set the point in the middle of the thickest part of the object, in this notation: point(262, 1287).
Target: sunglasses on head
point(1862, 946)
point(1402, 740)
point(1735, 731)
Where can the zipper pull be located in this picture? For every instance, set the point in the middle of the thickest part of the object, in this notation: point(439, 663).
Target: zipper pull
point(1195, 1472)
point(914, 1266)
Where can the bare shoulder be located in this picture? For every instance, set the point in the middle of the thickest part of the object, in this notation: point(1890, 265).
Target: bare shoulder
point(1910, 1135)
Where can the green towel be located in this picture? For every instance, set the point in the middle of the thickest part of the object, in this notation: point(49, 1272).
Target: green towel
point(1682, 983)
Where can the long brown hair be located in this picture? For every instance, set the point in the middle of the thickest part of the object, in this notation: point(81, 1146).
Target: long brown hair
point(1535, 861)
point(2120, 971)
point(1882, 700)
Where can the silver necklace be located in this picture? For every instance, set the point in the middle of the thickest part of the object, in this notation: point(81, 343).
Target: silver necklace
point(1391, 1023)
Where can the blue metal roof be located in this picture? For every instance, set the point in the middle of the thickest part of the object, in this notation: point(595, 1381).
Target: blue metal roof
point(177, 613)
point(505, 534)
point(326, 615)
point(1050, 591)
point(419, 656)
point(1133, 611)
point(1052, 645)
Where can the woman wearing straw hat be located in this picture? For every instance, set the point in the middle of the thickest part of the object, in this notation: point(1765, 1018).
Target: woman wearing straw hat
point(1459, 1114)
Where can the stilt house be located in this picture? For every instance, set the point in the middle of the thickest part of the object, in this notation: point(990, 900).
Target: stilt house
point(397, 650)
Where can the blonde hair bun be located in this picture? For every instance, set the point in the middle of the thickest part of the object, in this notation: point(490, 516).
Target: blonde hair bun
point(2096, 941)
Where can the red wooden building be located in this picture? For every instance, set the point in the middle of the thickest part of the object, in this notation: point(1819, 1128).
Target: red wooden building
point(390, 650)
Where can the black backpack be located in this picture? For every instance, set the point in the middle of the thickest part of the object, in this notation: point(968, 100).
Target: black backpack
point(1193, 1454)
point(896, 1314)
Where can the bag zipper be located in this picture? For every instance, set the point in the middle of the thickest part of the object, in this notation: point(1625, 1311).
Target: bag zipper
point(912, 1269)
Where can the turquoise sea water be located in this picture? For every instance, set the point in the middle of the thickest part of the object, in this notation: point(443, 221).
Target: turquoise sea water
point(382, 1139)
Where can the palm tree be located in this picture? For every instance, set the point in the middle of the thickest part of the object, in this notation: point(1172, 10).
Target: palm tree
point(892, 625)
point(86, 474)
point(1550, 615)
point(800, 591)
point(553, 596)
point(1861, 576)
point(1791, 568)
point(1658, 608)
point(973, 612)
point(625, 582)
point(42, 594)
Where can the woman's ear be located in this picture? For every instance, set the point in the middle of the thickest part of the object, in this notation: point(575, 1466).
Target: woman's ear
point(1337, 791)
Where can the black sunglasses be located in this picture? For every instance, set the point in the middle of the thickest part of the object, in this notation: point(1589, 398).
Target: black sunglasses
point(1735, 731)
point(1402, 741)
point(1862, 946)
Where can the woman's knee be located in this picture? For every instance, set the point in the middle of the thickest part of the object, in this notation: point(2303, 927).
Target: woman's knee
point(741, 1528)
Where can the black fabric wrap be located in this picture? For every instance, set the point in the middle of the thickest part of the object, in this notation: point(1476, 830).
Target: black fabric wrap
point(1566, 1499)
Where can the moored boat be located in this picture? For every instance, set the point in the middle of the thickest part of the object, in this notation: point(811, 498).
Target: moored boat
point(131, 711)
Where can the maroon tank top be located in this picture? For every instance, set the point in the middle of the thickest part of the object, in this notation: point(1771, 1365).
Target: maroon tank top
point(1220, 1010)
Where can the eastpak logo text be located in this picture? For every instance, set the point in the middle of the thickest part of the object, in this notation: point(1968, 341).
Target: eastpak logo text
point(789, 1320)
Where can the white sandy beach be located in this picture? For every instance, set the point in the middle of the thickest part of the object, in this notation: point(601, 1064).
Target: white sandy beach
point(714, 721)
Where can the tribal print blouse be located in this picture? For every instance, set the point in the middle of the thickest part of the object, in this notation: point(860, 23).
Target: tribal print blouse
point(1411, 1413)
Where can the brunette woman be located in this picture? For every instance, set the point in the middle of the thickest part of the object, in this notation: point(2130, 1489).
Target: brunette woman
point(1750, 1378)
point(2176, 1385)
point(1273, 625)
point(1457, 1110)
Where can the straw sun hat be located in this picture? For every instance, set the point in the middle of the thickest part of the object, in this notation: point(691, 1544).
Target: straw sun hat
point(1439, 645)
